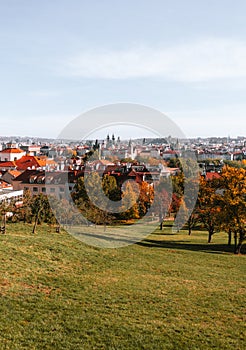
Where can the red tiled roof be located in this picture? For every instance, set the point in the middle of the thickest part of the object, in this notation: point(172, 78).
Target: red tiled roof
point(132, 173)
point(170, 152)
point(54, 177)
point(7, 164)
point(26, 162)
point(12, 150)
point(211, 176)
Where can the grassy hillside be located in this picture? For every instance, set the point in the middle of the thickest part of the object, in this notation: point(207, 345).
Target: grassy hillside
point(168, 292)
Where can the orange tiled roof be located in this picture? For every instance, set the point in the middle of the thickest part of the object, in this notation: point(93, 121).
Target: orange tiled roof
point(50, 162)
point(34, 162)
point(14, 173)
point(26, 162)
point(42, 161)
point(4, 184)
point(105, 162)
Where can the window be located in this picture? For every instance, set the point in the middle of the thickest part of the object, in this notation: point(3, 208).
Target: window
point(32, 179)
point(43, 189)
point(49, 179)
point(52, 190)
point(40, 179)
point(62, 189)
point(35, 189)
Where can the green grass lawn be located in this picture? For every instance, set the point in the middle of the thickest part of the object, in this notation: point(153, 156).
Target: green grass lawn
point(171, 291)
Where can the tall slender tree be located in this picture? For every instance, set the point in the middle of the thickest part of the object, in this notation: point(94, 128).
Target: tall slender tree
point(208, 206)
point(233, 204)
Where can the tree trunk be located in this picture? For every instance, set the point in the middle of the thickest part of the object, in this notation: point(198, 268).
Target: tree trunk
point(36, 222)
point(210, 234)
point(238, 248)
point(190, 229)
point(3, 228)
point(235, 243)
point(4, 223)
point(240, 243)
point(35, 226)
point(161, 219)
point(229, 238)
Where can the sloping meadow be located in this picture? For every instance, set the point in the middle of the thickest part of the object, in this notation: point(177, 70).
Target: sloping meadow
point(170, 291)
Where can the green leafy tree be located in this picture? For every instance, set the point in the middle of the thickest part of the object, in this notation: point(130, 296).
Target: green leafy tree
point(90, 197)
point(41, 210)
point(111, 188)
point(25, 211)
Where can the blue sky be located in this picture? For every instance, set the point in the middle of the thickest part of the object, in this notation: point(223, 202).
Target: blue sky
point(62, 58)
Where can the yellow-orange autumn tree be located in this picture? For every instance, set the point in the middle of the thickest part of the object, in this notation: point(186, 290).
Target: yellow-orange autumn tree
point(208, 207)
point(233, 204)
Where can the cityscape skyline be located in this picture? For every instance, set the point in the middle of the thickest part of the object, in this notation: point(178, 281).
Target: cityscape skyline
point(100, 137)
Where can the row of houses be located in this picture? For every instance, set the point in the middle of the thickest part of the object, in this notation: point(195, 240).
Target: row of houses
point(219, 148)
point(119, 151)
point(60, 183)
point(222, 155)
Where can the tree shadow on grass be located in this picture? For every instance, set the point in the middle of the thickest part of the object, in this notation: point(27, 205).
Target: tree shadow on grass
point(211, 248)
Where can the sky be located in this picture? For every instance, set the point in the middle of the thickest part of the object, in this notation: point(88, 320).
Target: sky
point(62, 58)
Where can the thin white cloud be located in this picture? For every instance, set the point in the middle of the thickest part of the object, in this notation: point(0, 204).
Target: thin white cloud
point(191, 62)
